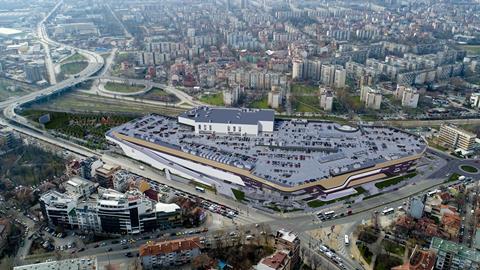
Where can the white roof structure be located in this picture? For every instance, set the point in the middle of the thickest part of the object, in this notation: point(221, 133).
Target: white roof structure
point(87, 263)
point(8, 32)
point(166, 207)
point(287, 236)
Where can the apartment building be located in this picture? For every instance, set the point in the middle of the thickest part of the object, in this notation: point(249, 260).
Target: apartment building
point(457, 138)
point(475, 100)
point(408, 95)
point(371, 97)
point(326, 99)
point(164, 254)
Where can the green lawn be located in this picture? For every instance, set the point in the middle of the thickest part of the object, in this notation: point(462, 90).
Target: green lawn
point(81, 102)
point(469, 169)
point(472, 49)
point(90, 129)
point(123, 88)
point(386, 262)
point(73, 68)
point(306, 104)
point(260, 104)
point(434, 144)
point(393, 247)
point(366, 253)
point(394, 181)
point(453, 177)
point(213, 99)
point(74, 58)
point(305, 98)
point(239, 195)
point(299, 90)
point(158, 94)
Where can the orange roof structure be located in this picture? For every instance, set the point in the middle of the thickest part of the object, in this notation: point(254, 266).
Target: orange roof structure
point(165, 247)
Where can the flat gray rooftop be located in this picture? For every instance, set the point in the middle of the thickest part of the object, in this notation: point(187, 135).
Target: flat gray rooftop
point(296, 152)
point(229, 115)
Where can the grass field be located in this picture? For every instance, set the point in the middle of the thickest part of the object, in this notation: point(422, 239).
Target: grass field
point(472, 49)
point(394, 181)
point(73, 68)
point(123, 88)
point(74, 57)
point(239, 195)
point(306, 104)
point(81, 102)
point(469, 169)
point(213, 99)
point(393, 247)
point(305, 99)
point(158, 94)
point(88, 128)
point(453, 177)
point(260, 104)
point(300, 90)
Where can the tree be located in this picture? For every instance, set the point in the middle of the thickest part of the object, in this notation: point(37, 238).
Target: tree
point(202, 261)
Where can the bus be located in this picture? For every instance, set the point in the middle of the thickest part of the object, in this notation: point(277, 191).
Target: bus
point(200, 189)
point(347, 241)
point(329, 214)
point(431, 193)
point(388, 211)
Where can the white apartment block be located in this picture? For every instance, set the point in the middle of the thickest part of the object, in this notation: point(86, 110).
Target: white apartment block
point(371, 97)
point(475, 100)
point(326, 99)
point(457, 138)
point(408, 95)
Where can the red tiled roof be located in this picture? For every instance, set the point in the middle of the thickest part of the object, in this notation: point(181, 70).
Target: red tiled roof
point(276, 260)
point(166, 247)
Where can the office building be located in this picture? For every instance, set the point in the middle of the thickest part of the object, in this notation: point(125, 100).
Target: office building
point(454, 256)
point(159, 255)
point(457, 138)
point(104, 175)
point(107, 211)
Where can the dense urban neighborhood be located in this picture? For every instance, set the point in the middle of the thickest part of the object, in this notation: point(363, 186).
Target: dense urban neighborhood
point(240, 134)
